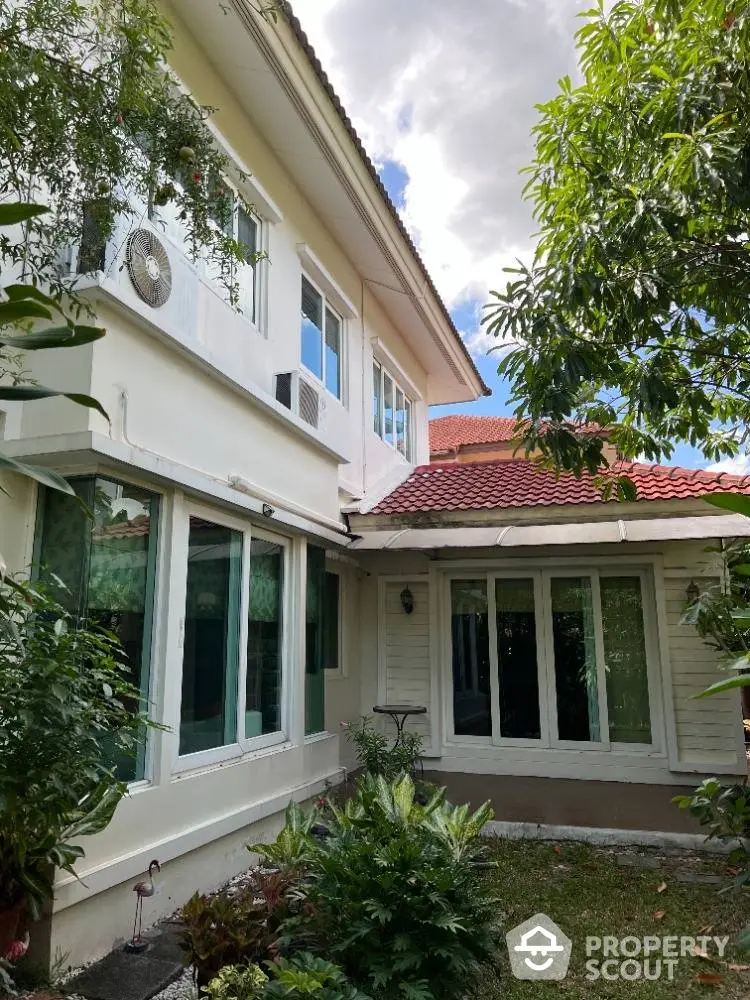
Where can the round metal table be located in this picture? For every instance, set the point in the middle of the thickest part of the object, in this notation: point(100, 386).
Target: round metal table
point(399, 714)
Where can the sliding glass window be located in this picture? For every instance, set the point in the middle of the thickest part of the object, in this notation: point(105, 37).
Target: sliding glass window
point(234, 650)
point(103, 551)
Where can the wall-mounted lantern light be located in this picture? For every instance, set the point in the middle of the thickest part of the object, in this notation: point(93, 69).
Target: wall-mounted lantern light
point(407, 600)
point(692, 592)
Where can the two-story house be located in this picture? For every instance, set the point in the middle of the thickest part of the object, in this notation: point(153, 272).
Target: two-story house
point(263, 499)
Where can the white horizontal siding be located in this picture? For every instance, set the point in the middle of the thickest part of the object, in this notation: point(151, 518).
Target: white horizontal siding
point(706, 729)
point(406, 650)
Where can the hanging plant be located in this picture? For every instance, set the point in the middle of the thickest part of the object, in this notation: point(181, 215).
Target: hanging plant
point(67, 69)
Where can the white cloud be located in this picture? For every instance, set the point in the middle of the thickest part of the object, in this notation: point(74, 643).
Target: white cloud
point(738, 466)
point(447, 91)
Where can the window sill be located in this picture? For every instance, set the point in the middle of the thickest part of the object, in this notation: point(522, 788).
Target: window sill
point(235, 753)
point(319, 737)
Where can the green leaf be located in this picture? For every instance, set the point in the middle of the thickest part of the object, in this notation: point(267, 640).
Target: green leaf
point(729, 684)
point(13, 213)
point(47, 477)
point(736, 502)
point(22, 309)
point(55, 336)
point(15, 292)
point(29, 392)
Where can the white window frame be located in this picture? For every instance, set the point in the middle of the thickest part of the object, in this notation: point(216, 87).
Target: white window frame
point(327, 304)
point(242, 746)
point(165, 228)
point(549, 738)
point(398, 386)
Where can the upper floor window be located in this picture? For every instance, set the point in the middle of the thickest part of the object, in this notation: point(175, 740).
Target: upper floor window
point(391, 411)
point(321, 339)
point(236, 222)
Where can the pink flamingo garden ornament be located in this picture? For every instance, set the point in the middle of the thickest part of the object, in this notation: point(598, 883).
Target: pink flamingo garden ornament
point(143, 890)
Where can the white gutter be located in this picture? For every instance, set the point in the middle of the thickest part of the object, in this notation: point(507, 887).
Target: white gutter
point(587, 533)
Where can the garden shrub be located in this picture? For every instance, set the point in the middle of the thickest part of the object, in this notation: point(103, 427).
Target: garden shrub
point(236, 982)
point(725, 813)
point(395, 893)
point(304, 975)
point(236, 925)
point(377, 756)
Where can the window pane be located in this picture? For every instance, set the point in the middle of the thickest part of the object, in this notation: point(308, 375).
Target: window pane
point(211, 640)
point(333, 354)
point(247, 232)
point(108, 565)
point(331, 640)
point(264, 639)
point(407, 429)
point(312, 329)
point(625, 660)
point(388, 408)
point(377, 399)
point(517, 659)
point(247, 235)
point(315, 630)
point(400, 422)
point(472, 714)
point(575, 659)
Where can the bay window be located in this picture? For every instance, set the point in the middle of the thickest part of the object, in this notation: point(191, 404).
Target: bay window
point(321, 342)
point(391, 411)
point(551, 658)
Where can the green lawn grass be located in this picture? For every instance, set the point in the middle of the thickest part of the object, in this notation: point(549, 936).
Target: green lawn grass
point(586, 892)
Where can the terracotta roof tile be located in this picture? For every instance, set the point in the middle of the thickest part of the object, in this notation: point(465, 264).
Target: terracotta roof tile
point(520, 483)
point(447, 434)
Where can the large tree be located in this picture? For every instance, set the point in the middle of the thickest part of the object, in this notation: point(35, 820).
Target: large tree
point(635, 313)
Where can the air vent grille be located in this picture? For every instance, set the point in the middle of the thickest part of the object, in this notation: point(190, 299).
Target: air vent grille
point(149, 268)
point(309, 404)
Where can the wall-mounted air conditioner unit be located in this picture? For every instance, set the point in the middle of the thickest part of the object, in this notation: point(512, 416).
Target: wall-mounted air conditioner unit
point(300, 396)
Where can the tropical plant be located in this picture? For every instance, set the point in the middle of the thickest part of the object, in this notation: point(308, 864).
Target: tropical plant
point(305, 975)
point(394, 891)
point(236, 926)
point(633, 314)
point(63, 721)
point(721, 612)
point(376, 754)
point(21, 307)
point(236, 982)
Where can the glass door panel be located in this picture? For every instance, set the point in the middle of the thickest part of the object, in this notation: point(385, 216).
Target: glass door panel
point(211, 639)
point(265, 638)
point(625, 659)
point(472, 699)
point(575, 659)
point(517, 666)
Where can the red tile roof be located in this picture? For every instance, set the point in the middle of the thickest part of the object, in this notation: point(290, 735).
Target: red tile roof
point(447, 434)
point(521, 483)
